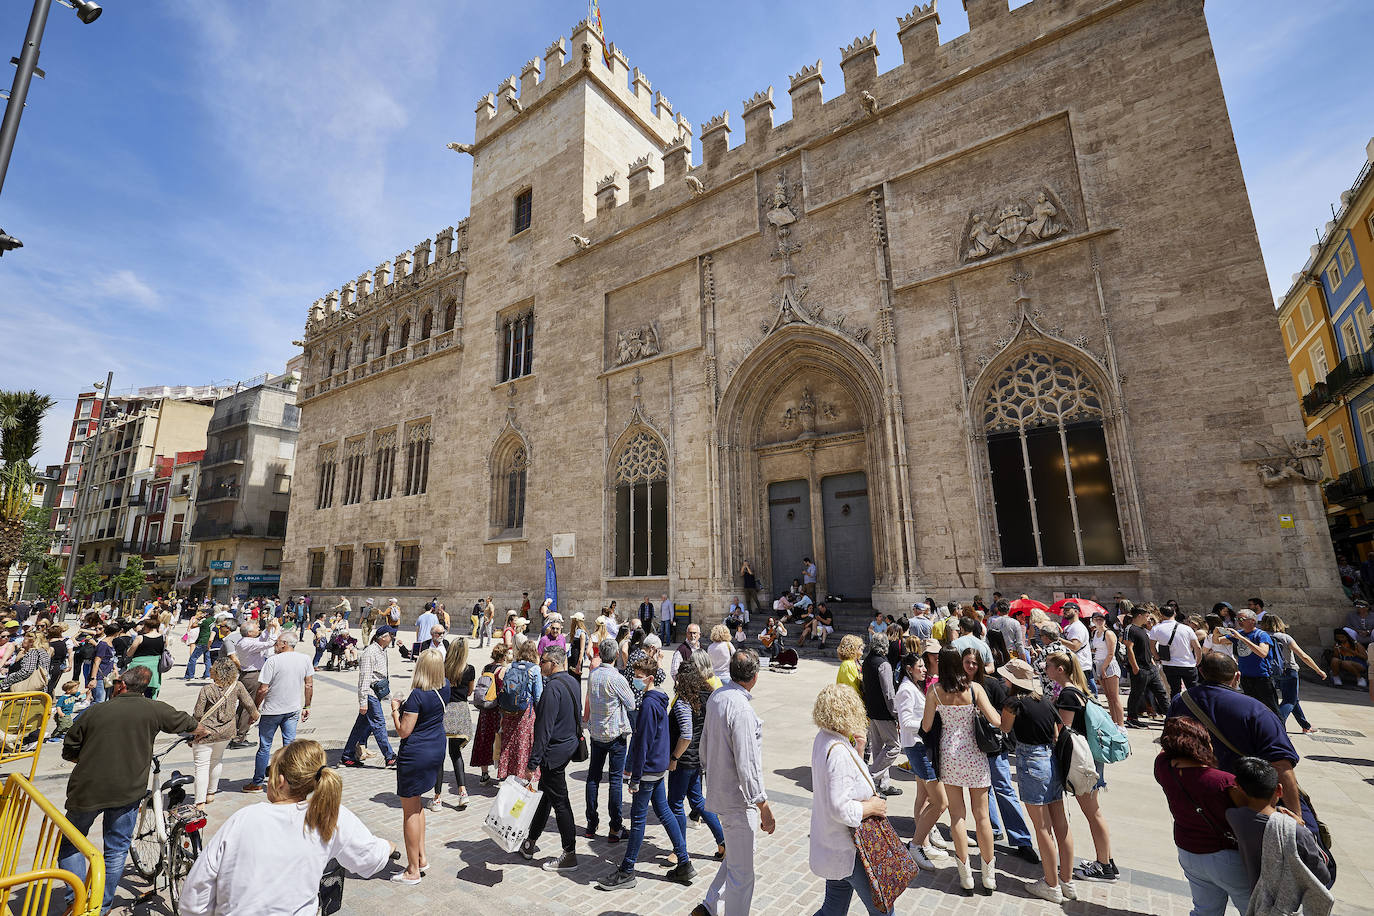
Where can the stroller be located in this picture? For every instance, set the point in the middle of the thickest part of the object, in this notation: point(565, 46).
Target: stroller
point(343, 653)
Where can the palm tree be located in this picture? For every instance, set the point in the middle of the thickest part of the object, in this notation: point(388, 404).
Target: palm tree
point(21, 425)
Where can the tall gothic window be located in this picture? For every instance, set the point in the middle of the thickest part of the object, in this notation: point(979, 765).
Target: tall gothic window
point(1051, 473)
point(355, 455)
point(324, 498)
point(383, 464)
point(450, 314)
point(403, 338)
point(367, 350)
point(517, 346)
point(347, 356)
point(510, 474)
point(417, 459)
point(426, 325)
point(329, 364)
point(641, 507)
point(384, 346)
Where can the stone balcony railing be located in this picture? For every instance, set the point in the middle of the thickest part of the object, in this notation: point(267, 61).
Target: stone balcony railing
point(377, 365)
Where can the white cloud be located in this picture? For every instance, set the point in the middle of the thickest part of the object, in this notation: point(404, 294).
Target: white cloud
point(125, 286)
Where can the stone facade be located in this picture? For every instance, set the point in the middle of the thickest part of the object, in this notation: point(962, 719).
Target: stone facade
point(865, 289)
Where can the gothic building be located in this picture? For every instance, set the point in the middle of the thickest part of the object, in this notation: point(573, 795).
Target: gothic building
point(994, 318)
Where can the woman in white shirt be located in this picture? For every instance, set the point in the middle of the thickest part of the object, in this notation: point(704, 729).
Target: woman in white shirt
point(302, 823)
point(930, 795)
point(844, 795)
point(720, 651)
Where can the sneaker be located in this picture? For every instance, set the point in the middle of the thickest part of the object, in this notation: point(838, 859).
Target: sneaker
point(237, 744)
point(934, 852)
point(1069, 890)
point(1095, 871)
point(919, 856)
point(694, 817)
point(1134, 723)
point(462, 801)
point(1026, 854)
point(527, 851)
point(613, 837)
point(1336, 681)
point(434, 805)
point(253, 787)
point(1045, 892)
point(590, 833)
point(682, 872)
point(484, 780)
point(616, 880)
point(347, 762)
point(890, 791)
point(566, 862)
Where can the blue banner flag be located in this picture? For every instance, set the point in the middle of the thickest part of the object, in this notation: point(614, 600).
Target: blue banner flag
point(550, 580)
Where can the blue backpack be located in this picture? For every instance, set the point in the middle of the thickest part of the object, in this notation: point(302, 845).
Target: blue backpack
point(1108, 743)
point(517, 690)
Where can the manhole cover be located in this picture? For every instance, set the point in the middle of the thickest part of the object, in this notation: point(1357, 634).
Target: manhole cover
point(1341, 731)
point(1329, 740)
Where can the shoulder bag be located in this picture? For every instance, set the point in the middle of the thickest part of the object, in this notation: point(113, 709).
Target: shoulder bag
point(1166, 651)
point(884, 858)
point(988, 736)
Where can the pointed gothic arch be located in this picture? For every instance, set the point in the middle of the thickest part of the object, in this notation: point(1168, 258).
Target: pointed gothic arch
point(637, 484)
point(509, 465)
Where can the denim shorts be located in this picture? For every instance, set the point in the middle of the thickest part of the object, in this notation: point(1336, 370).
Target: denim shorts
point(1037, 776)
point(920, 762)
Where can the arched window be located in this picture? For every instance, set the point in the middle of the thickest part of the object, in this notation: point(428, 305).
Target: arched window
point(384, 346)
point(1051, 472)
point(403, 338)
point(347, 356)
point(426, 325)
point(329, 364)
point(640, 476)
point(367, 349)
point(450, 314)
point(510, 475)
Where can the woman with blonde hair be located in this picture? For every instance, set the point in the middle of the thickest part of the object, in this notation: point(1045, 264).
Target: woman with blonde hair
point(1071, 699)
point(457, 719)
point(217, 708)
point(302, 822)
point(577, 643)
point(419, 722)
point(720, 650)
point(850, 650)
point(844, 794)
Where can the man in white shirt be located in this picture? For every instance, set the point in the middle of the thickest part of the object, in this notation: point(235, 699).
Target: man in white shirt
point(345, 606)
point(286, 686)
point(249, 652)
point(423, 627)
point(685, 650)
point(665, 621)
point(1177, 647)
point(1075, 636)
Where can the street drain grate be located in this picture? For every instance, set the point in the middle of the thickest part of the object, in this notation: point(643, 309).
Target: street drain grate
point(1329, 740)
point(1341, 731)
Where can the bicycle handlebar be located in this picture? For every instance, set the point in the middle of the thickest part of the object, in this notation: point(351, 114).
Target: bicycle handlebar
point(181, 739)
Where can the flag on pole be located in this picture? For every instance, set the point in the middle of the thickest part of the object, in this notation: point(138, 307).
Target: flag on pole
point(550, 580)
point(594, 15)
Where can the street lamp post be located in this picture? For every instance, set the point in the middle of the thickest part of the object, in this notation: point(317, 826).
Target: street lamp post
point(83, 487)
point(26, 67)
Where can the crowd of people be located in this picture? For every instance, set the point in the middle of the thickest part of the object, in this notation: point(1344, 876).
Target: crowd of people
point(993, 710)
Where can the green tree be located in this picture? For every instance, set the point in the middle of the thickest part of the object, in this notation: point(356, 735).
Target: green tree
point(87, 580)
point(37, 538)
point(47, 581)
point(21, 425)
point(130, 579)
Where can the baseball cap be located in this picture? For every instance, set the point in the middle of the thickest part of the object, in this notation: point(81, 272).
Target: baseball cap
point(383, 631)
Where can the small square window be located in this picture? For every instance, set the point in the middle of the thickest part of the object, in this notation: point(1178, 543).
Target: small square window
point(1347, 258)
point(524, 202)
point(1333, 275)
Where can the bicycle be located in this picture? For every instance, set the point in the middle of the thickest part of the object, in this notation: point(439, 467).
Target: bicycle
point(166, 839)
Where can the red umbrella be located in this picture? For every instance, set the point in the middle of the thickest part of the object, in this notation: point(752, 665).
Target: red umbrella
point(1086, 607)
point(1024, 605)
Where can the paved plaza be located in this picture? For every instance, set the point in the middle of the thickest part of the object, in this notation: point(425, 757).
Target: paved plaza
point(469, 869)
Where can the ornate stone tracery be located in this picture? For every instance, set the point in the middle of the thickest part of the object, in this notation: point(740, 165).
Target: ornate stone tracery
point(1038, 389)
point(641, 460)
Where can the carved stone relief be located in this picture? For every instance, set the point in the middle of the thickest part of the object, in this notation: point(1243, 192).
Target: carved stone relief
point(636, 343)
point(1297, 459)
point(1012, 224)
point(804, 414)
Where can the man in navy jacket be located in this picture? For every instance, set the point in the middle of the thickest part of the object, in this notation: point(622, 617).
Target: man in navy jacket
point(556, 728)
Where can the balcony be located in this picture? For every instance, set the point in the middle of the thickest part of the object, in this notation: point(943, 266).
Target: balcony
point(1348, 374)
point(208, 530)
point(1316, 399)
point(211, 461)
point(1354, 485)
point(216, 494)
point(138, 499)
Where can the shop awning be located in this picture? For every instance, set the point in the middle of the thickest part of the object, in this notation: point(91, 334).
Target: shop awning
point(189, 581)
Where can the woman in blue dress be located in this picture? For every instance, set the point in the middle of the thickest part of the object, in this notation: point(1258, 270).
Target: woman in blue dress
point(419, 722)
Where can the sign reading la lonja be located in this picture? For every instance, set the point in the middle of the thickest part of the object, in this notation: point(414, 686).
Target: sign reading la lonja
point(257, 577)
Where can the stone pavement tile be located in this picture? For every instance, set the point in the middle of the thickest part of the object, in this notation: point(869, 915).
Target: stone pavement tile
point(468, 868)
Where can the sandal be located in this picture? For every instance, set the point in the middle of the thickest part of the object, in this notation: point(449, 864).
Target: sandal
point(209, 798)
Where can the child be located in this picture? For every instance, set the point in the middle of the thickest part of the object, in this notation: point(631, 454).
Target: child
point(1286, 865)
point(62, 709)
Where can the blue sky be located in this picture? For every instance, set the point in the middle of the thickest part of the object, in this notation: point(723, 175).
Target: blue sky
point(192, 175)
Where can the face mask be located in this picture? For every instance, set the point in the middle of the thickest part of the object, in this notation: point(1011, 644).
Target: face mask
point(639, 683)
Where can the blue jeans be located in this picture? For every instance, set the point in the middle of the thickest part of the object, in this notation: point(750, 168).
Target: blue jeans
point(613, 754)
point(98, 690)
point(199, 652)
point(319, 653)
point(117, 830)
point(838, 894)
point(1288, 700)
point(1007, 807)
point(656, 793)
point(1215, 878)
point(267, 728)
point(685, 784)
point(372, 722)
point(665, 631)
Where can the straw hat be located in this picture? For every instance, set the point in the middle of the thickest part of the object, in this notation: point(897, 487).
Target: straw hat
point(1019, 672)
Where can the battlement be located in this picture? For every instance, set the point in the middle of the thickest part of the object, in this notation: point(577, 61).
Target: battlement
point(926, 65)
point(391, 279)
point(603, 62)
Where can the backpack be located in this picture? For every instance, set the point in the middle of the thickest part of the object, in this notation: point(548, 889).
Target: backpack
point(517, 691)
point(1107, 743)
point(484, 691)
point(1276, 663)
point(1080, 770)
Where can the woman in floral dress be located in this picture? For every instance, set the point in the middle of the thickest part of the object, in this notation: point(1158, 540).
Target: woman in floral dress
point(489, 720)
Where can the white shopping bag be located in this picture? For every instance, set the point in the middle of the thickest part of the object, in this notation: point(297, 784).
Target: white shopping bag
point(508, 821)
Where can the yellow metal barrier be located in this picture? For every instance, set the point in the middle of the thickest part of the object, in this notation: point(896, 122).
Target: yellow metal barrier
point(33, 889)
point(20, 715)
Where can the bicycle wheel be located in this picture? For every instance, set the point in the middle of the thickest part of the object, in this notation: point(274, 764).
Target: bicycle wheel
point(145, 849)
point(183, 848)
